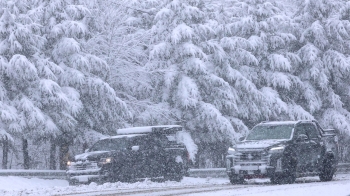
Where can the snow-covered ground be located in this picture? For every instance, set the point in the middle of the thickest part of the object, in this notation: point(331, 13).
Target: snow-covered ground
point(303, 187)
point(12, 185)
point(340, 186)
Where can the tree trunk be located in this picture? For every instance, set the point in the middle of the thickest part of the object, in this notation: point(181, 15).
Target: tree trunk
point(5, 150)
point(52, 154)
point(85, 146)
point(25, 154)
point(63, 156)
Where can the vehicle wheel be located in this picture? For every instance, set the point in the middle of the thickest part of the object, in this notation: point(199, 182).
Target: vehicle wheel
point(176, 178)
point(235, 179)
point(125, 178)
point(327, 170)
point(290, 179)
point(288, 176)
point(71, 183)
point(175, 174)
point(284, 178)
point(275, 179)
point(280, 178)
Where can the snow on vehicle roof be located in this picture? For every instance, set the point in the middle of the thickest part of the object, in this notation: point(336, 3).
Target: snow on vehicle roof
point(145, 129)
point(121, 136)
point(280, 122)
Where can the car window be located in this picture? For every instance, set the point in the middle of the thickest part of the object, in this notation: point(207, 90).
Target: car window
point(139, 141)
point(145, 143)
point(300, 129)
point(163, 140)
point(311, 131)
point(265, 132)
point(110, 144)
point(307, 129)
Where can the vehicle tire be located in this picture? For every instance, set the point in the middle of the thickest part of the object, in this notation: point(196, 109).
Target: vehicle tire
point(174, 177)
point(276, 179)
point(288, 176)
point(327, 170)
point(175, 173)
point(71, 183)
point(235, 179)
point(283, 178)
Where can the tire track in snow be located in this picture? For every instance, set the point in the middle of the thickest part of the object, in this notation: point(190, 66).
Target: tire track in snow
point(157, 191)
point(204, 188)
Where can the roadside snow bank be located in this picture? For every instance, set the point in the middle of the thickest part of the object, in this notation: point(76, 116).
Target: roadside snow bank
point(11, 183)
point(19, 186)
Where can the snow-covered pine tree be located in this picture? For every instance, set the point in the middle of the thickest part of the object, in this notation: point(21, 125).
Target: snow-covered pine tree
point(42, 106)
point(185, 78)
point(228, 52)
point(324, 37)
point(8, 113)
point(176, 55)
point(122, 40)
point(259, 38)
point(82, 74)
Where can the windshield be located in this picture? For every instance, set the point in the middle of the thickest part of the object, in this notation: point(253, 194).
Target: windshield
point(266, 132)
point(110, 144)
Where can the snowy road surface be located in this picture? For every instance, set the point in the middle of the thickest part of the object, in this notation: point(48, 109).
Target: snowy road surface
point(340, 186)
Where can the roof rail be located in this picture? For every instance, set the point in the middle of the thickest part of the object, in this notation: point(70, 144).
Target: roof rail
point(265, 121)
point(300, 121)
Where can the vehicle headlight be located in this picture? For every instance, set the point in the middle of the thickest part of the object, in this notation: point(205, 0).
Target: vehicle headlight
point(106, 160)
point(69, 163)
point(231, 151)
point(277, 149)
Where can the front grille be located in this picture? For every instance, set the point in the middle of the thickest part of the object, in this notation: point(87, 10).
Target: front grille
point(86, 165)
point(250, 156)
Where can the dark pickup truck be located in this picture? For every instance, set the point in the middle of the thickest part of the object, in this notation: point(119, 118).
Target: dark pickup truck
point(151, 152)
point(283, 151)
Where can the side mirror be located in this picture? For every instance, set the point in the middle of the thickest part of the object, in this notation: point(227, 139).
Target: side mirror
point(241, 139)
point(302, 138)
point(135, 148)
point(86, 150)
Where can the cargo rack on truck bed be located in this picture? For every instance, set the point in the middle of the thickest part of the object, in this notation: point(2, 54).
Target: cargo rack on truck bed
point(162, 129)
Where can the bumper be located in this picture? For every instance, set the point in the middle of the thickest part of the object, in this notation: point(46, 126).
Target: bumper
point(85, 176)
point(253, 169)
point(81, 179)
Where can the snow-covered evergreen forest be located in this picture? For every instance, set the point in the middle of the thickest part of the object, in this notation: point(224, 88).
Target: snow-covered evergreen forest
point(72, 71)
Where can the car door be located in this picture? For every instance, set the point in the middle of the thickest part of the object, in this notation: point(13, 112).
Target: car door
point(147, 157)
point(155, 156)
point(138, 157)
point(302, 148)
point(315, 145)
